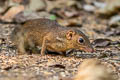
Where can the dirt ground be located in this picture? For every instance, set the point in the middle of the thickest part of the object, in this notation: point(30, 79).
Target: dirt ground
point(54, 66)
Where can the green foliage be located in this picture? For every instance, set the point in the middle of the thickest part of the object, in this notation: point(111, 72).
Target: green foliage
point(53, 17)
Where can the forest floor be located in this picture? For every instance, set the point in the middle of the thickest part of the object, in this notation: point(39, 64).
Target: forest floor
point(104, 35)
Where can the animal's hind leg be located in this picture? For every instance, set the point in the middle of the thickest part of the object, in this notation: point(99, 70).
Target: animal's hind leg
point(32, 46)
point(21, 46)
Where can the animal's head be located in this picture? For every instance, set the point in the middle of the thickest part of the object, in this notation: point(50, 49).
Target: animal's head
point(78, 40)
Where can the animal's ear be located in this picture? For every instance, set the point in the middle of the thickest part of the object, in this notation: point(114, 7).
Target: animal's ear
point(70, 34)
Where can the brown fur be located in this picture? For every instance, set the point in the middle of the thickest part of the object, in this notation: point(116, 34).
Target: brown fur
point(49, 35)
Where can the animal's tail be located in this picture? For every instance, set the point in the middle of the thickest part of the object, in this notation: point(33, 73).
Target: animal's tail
point(15, 33)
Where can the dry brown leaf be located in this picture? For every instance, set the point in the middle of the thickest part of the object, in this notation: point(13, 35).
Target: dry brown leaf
point(10, 14)
point(92, 69)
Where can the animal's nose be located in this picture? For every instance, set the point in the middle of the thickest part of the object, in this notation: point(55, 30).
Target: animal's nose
point(90, 49)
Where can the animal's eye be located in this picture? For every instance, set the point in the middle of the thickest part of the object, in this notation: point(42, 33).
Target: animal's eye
point(81, 40)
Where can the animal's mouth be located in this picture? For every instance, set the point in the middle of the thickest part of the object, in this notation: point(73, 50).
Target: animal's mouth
point(87, 49)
